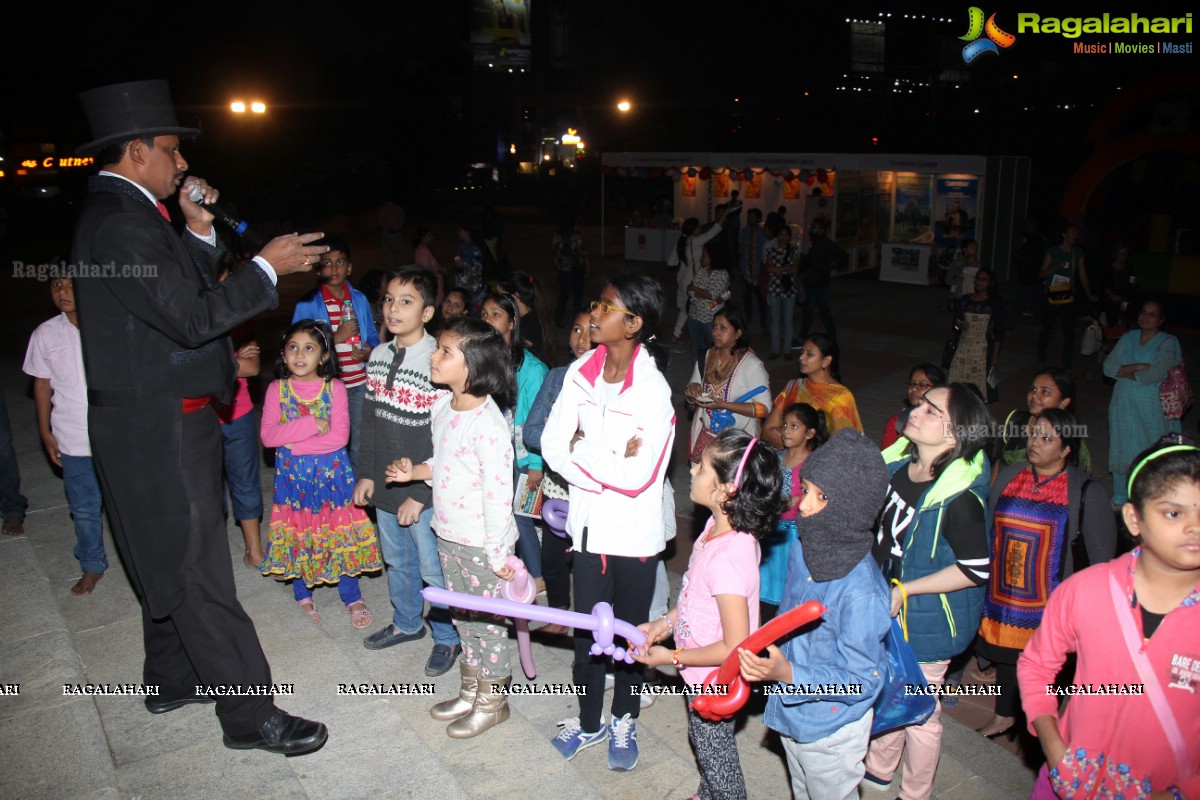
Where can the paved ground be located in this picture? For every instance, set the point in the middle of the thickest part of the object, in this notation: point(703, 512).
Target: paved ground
point(81, 747)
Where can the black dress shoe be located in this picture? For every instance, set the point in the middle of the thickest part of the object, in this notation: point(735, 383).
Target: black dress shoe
point(161, 705)
point(282, 733)
point(389, 636)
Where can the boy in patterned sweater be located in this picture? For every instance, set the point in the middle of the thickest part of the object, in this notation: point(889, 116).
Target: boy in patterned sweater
point(395, 421)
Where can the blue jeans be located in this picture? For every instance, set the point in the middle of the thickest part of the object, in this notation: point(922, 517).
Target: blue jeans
point(817, 297)
point(701, 336)
point(660, 601)
point(782, 308)
point(411, 555)
point(12, 502)
point(83, 495)
point(239, 447)
point(529, 547)
point(354, 398)
point(347, 588)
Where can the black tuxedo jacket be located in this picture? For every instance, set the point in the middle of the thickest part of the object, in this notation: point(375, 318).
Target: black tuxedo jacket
point(153, 321)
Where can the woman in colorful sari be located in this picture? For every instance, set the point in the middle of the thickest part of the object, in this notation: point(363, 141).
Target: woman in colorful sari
point(820, 386)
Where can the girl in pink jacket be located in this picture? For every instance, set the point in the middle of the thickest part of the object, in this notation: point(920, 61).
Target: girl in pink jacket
point(1131, 727)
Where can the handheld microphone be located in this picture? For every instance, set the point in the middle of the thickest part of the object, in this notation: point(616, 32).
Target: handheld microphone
point(251, 237)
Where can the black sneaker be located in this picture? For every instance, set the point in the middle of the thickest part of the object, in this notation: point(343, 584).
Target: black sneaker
point(875, 782)
point(389, 636)
point(442, 659)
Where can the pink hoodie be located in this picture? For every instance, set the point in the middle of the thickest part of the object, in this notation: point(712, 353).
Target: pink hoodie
point(1114, 740)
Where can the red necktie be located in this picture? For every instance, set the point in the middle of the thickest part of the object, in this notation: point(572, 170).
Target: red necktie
point(163, 210)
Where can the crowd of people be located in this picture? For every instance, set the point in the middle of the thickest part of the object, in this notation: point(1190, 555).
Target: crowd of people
point(403, 441)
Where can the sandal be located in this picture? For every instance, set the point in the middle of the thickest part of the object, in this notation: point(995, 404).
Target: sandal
point(359, 617)
point(310, 608)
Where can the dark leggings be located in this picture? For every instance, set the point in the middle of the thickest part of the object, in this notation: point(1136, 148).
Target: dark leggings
point(717, 756)
point(628, 584)
point(570, 287)
point(1008, 701)
point(556, 569)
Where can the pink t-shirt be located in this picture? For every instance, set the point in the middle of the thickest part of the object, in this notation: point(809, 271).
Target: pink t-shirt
point(726, 565)
point(241, 405)
point(56, 354)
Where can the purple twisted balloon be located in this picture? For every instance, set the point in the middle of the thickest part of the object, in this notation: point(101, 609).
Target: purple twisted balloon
point(554, 514)
point(601, 622)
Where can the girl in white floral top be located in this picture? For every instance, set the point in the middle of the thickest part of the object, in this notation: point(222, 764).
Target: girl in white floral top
point(471, 476)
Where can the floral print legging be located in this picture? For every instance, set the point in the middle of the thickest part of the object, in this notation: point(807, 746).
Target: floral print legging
point(484, 636)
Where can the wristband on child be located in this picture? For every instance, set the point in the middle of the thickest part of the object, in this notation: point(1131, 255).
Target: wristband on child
point(670, 625)
point(675, 658)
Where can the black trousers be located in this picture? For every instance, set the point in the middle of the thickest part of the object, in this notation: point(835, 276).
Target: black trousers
point(570, 290)
point(1008, 702)
point(208, 639)
point(556, 569)
point(628, 584)
point(1066, 315)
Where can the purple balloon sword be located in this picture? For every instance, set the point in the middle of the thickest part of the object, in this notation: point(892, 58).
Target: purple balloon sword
point(600, 622)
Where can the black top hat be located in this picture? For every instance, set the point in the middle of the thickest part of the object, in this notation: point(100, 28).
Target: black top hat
point(125, 111)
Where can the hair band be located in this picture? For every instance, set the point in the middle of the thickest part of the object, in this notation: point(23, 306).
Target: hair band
point(737, 476)
point(1175, 448)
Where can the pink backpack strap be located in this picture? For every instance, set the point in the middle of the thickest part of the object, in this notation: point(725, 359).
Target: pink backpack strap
point(1154, 691)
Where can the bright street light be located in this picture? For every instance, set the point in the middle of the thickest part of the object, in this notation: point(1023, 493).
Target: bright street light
point(257, 107)
point(624, 106)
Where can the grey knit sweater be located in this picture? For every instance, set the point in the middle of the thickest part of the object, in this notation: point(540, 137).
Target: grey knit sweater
point(395, 420)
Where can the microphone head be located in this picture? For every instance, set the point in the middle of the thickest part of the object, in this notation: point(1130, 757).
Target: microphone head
point(196, 194)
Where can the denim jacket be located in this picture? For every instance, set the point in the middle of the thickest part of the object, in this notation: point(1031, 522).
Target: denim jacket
point(842, 653)
point(547, 394)
point(312, 306)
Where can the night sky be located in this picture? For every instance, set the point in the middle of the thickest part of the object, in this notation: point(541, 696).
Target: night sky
point(368, 97)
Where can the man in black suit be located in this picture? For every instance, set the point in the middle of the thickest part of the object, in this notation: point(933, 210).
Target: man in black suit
point(153, 320)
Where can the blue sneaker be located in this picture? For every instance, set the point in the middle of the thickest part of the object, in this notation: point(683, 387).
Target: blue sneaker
point(622, 745)
point(573, 738)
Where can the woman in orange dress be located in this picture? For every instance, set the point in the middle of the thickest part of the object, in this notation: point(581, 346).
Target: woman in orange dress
point(820, 386)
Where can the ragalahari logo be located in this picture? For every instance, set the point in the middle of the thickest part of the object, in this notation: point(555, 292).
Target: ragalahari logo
point(995, 40)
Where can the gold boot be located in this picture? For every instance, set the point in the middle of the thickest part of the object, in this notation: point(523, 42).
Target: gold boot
point(456, 707)
point(491, 708)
